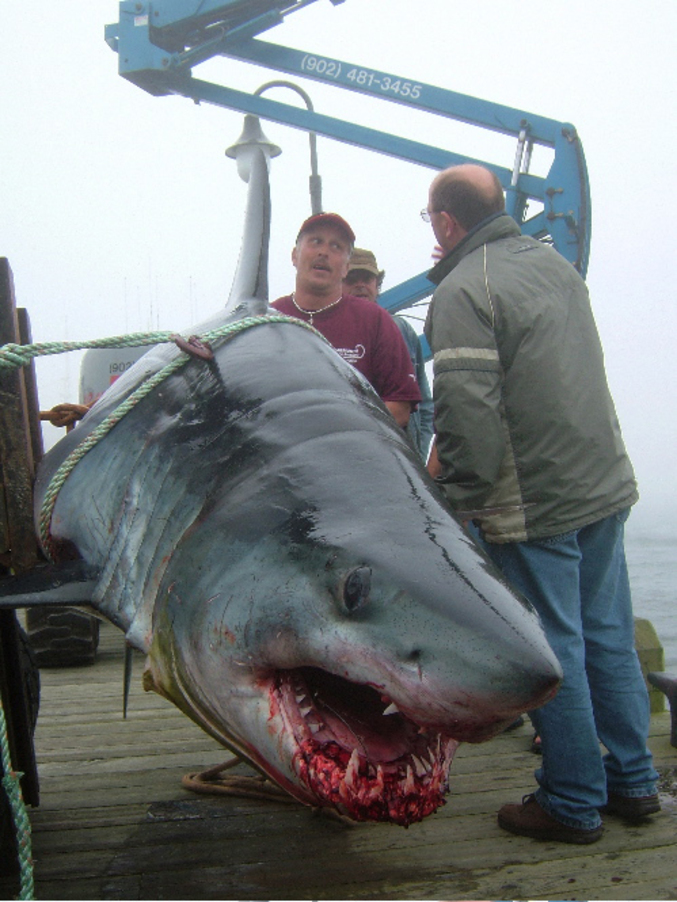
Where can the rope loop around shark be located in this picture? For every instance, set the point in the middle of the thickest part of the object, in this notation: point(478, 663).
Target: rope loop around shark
point(259, 526)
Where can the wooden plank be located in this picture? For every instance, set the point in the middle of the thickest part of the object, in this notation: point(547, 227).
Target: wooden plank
point(238, 860)
point(19, 446)
point(31, 389)
point(16, 443)
point(115, 822)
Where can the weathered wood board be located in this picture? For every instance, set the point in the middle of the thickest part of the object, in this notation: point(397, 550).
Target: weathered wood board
point(115, 823)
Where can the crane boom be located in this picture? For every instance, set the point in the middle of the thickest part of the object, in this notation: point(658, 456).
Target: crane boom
point(160, 42)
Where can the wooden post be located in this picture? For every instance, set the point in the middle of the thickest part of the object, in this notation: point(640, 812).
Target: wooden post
point(20, 449)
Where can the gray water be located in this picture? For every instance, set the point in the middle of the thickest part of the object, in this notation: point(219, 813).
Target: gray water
point(652, 567)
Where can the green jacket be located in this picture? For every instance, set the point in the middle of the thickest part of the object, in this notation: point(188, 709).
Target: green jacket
point(523, 415)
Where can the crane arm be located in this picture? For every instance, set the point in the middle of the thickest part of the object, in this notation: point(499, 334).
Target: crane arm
point(160, 42)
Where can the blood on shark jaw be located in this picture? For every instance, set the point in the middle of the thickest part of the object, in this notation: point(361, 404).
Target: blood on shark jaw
point(355, 752)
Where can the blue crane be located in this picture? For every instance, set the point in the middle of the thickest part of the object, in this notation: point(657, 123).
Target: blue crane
point(160, 42)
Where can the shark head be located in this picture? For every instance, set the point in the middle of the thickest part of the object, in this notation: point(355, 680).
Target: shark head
point(341, 679)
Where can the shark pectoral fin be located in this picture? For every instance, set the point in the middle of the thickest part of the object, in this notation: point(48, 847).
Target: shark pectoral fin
point(69, 584)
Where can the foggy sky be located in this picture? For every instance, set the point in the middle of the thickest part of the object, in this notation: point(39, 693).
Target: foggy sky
point(119, 211)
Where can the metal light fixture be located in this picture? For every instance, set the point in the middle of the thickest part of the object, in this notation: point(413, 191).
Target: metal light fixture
point(315, 181)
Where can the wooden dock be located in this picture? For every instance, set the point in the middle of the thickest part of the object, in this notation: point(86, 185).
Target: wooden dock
point(114, 821)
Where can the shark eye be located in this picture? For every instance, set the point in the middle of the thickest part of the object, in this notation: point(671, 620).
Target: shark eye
point(356, 588)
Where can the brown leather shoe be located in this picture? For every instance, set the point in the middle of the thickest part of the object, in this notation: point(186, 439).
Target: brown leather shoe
point(529, 819)
point(632, 809)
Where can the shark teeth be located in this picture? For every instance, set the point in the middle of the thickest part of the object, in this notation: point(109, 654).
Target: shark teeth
point(400, 788)
point(402, 791)
point(311, 718)
point(353, 769)
point(419, 766)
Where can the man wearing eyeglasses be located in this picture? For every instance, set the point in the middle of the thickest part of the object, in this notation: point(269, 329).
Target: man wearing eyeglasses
point(526, 429)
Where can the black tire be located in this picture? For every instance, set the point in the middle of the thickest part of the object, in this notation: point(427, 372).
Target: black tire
point(62, 637)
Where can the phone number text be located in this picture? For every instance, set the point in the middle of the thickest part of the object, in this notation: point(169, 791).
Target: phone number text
point(362, 77)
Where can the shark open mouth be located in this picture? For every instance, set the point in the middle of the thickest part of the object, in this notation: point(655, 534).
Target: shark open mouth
point(358, 753)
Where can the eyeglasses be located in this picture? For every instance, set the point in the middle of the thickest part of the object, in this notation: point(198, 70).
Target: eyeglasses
point(426, 214)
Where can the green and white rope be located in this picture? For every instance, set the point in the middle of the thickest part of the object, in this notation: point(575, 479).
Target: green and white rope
point(22, 825)
point(13, 355)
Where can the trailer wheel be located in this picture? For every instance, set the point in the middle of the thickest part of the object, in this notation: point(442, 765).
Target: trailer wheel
point(62, 637)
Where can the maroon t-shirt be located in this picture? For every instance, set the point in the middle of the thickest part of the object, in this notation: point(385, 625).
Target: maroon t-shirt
point(367, 337)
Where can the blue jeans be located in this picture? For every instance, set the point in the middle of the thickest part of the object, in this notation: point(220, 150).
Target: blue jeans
point(578, 583)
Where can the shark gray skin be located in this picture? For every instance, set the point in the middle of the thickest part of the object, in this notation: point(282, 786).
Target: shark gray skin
point(260, 527)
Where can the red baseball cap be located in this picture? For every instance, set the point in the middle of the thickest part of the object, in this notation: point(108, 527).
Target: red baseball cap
point(330, 219)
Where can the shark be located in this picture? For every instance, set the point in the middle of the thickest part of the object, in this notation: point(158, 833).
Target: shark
point(259, 526)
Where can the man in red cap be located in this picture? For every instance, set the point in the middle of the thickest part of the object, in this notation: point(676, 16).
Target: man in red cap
point(364, 334)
